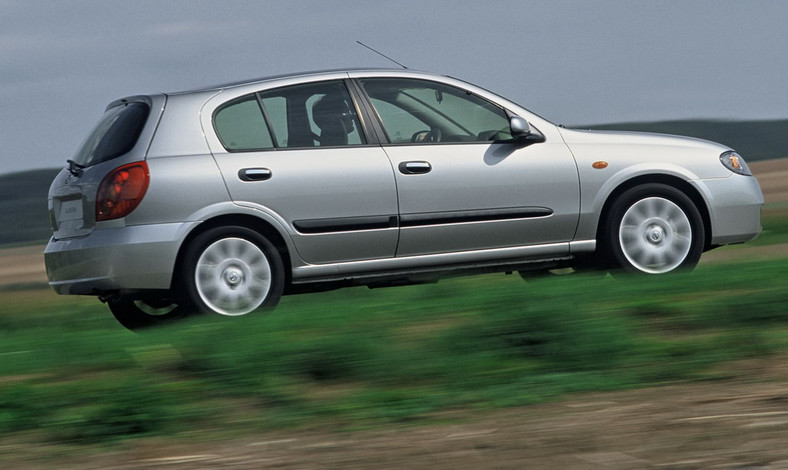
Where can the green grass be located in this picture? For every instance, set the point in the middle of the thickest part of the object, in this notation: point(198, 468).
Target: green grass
point(358, 358)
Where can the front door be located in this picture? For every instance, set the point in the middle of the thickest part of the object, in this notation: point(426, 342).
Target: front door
point(463, 183)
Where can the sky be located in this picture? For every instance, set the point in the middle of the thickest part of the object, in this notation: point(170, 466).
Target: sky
point(571, 61)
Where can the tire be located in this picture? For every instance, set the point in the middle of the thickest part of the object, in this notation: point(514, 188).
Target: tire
point(231, 271)
point(654, 229)
point(139, 314)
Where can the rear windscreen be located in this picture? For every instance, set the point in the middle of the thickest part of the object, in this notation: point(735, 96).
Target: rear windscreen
point(114, 135)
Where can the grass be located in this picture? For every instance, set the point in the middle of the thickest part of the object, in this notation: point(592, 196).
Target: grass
point(359, 358)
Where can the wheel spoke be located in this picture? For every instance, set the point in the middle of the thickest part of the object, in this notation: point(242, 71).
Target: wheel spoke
point(655, 235)
point(233, 276)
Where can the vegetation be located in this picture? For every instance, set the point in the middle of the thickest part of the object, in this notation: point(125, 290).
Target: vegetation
point(356, 358)
point(23, 206)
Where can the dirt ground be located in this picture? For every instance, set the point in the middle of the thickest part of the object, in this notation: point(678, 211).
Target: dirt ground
point(773, 178)
point(737, 423)
point(740, 422)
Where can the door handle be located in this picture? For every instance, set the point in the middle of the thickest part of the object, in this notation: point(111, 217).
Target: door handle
point(414, 168)
point(254, 174)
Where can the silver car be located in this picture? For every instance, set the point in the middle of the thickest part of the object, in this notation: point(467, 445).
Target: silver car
point(223, 199)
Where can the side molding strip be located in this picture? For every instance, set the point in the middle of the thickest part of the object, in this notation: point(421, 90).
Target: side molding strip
point(376, 222)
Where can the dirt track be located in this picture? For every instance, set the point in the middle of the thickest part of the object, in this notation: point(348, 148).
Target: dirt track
point(773, 177)
point(736, 423)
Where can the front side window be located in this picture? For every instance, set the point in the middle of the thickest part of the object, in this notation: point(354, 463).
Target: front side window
point(312, 115)
point(420, 111)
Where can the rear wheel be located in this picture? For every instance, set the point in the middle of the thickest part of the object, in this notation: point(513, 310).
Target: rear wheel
point(654, 229)
point(232, 271)
point(138, 314)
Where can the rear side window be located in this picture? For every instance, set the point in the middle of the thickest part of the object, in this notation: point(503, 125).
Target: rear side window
point(240, 126)
point(114, 135)
point(313, 115)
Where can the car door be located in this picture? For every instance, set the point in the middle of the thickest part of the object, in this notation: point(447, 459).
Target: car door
point(299, 153)
point(463, 183)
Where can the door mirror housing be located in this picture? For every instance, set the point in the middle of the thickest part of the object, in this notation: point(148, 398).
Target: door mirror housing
point(522, 132)
point(520, 127)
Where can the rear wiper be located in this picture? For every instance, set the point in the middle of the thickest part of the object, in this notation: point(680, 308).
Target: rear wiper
point(75, 168)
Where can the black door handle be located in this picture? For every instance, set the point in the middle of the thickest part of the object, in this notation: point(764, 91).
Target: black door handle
point(414, 168)
point(254, 174)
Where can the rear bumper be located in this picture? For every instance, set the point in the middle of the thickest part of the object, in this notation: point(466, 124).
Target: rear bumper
point(112, 259)
point(734, 208)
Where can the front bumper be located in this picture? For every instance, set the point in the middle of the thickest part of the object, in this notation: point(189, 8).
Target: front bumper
point(734, 208)
point(112, 259)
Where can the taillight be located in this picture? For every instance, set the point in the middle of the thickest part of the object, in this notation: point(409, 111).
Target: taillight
point(121, 191)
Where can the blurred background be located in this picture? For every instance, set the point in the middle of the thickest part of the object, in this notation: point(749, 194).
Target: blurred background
point(327, 368)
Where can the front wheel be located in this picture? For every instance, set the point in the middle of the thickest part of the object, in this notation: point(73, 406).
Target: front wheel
point(654, 229)
point(232, 271)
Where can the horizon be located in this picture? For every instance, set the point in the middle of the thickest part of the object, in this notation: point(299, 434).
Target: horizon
point(571, 61)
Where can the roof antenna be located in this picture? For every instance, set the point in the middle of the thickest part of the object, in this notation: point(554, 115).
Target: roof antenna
point(381, 54)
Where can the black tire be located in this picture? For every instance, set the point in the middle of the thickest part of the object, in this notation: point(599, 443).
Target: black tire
point(653, 228)
point(140, 314)
point(231, 271)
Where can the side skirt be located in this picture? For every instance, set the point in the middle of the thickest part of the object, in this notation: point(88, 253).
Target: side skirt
point(496, 259)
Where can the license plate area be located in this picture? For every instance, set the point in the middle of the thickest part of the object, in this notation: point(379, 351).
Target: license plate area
point(70, 210)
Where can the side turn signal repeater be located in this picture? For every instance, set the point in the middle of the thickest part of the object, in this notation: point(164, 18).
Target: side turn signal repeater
point(599, 165)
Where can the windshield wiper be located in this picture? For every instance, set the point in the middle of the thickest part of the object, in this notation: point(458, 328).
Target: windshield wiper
point(75, 168)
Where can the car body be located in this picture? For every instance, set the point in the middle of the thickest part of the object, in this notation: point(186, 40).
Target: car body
point(222, 199)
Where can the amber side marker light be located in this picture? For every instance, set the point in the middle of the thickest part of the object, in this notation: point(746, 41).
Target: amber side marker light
point(121, 191)
point(599, 165)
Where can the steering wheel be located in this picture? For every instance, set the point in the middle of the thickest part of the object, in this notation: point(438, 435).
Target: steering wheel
point(432, 135)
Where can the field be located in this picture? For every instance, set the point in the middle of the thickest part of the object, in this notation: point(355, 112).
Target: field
point(685, 371)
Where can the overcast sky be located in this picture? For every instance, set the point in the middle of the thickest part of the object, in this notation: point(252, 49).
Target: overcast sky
point(571, 61)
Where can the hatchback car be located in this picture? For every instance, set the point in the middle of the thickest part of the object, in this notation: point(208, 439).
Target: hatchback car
point(223, 199)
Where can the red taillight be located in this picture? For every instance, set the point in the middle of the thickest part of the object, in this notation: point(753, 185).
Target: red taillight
point(121, 191)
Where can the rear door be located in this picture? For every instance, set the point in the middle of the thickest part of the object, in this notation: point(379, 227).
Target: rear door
point(311, 165)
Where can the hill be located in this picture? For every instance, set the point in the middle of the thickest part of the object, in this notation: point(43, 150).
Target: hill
point(23, 206)
point(755, 140)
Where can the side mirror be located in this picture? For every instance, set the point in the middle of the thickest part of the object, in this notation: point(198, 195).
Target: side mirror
point(520, 127)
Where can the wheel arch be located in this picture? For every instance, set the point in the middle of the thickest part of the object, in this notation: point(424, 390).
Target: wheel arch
point(668, 180)
point(251, 222)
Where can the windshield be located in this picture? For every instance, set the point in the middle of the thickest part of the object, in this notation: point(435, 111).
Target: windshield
point(114, 135)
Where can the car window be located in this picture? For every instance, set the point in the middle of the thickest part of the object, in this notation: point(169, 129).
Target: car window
point(114, 135)
point(312, 115)
point(240, 126)
point(422, 111)
point(401, 125)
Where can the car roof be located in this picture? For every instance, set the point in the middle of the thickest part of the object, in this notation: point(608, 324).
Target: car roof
point(312, 73)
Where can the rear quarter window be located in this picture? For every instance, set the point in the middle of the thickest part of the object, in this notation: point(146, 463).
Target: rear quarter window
point(240, 126)
point(114, 135)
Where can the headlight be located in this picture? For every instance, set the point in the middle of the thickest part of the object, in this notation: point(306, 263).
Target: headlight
point(734, 162)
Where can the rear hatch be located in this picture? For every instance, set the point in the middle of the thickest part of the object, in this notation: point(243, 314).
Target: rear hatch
point(121, 136)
